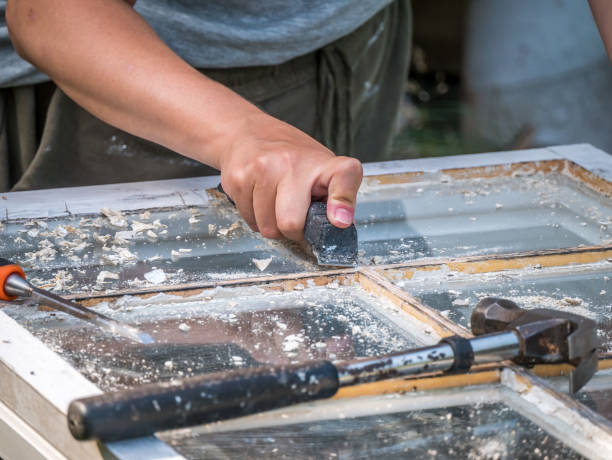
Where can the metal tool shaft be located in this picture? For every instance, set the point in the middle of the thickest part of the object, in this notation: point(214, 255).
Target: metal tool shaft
point(16, 285)
point(441, 357)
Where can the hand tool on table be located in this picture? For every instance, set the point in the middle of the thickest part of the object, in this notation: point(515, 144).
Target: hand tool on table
point(503, 331)
point(329, 244)
point(13, 284)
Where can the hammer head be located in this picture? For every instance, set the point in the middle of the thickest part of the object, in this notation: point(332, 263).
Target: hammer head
point(546, 336)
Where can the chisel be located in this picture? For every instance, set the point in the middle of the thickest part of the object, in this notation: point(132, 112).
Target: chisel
point(13, 284)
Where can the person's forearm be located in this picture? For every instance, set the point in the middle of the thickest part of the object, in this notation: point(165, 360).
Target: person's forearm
point(106, 58)
point(111, 62)
point(602, 12)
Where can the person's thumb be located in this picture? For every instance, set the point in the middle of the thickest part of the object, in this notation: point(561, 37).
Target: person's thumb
point(342, 191)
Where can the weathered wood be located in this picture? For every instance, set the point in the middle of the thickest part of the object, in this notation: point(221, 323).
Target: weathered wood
point(38, 385)
point(576, 425)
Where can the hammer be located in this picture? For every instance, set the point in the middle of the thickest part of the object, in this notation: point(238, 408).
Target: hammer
point(503, 331)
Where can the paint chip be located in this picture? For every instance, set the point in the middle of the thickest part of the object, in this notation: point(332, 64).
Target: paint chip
point(104, 275)
point(573, 301)
point(262, 264)
point(157, 276)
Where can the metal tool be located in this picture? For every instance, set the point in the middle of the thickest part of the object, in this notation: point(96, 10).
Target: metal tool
point(13, 284)
point(329, 244)
point(526, 336)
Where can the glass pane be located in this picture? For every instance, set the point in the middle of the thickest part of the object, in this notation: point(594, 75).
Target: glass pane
point(582, 289)
point(226, 328)
point(439, 216)
point(596, 395)
point(85, 253)
point(481, 431)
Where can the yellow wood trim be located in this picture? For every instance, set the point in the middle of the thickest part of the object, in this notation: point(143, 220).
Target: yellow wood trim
point(486, 264)
point(436, 382)
point(419, 384)
point(587, 177)
point(373, 282)
point(276, 283)
point(503, 170)
point(524, 262)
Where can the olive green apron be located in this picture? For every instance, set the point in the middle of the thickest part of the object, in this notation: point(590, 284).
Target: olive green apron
point(346, 95)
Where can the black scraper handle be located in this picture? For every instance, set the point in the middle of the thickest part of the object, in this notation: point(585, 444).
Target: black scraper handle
point(143, 410)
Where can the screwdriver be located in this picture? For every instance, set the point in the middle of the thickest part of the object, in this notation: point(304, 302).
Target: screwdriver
point(13, 284)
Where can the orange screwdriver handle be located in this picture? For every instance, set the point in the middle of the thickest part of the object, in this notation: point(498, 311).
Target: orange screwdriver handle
point(7, 269)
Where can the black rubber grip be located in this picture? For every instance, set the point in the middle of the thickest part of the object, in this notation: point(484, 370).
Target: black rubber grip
point(143, 410)
point(464, 354)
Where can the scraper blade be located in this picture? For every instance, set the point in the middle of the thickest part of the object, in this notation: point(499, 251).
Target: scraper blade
point(329, 244)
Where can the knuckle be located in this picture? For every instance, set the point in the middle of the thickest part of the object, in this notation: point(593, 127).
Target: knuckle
point(270, 232)
point(290, 225)
point(261, 164)
point(352, 166)
point(237, 178)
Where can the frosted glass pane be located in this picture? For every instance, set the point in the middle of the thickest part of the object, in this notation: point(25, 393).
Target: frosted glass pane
point(581, 289)
point(443, 217)
point(226, 328)
point(482, 431)
point(183, 245)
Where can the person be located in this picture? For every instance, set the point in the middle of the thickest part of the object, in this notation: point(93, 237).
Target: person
point(280, 87)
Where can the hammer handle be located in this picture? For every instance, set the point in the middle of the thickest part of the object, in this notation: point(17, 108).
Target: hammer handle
point(143, 410)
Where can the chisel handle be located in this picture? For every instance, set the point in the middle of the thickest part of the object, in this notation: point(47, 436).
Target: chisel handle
point(8, 268)
point(145, 409)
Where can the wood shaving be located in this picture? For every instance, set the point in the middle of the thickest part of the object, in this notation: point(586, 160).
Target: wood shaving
point(234, 227)
point(138, 227)
point(573, 301)
point(145, 216)
point(461, 302)
point(157, 225)
point(116, 218)
point(101, 238)
point(46, 254)
point(104, 275)
point(123, 237)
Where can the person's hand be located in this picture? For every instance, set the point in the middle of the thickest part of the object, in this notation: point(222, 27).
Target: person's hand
point(272, 171)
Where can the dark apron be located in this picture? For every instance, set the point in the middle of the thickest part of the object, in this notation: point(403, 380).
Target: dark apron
point(346, 95)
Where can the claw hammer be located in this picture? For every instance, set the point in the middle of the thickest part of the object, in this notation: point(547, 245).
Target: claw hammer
point(502, 331)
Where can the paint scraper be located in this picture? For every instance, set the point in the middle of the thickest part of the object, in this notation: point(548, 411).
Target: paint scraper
point(329, 244)
point(13, 284)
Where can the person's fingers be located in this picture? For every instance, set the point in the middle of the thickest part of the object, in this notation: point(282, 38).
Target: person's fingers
point(264, 200)
point(242, 196)
point(344, 181)
point(292, 201)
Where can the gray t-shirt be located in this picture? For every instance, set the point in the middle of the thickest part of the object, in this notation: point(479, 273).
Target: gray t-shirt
point(227, 33)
